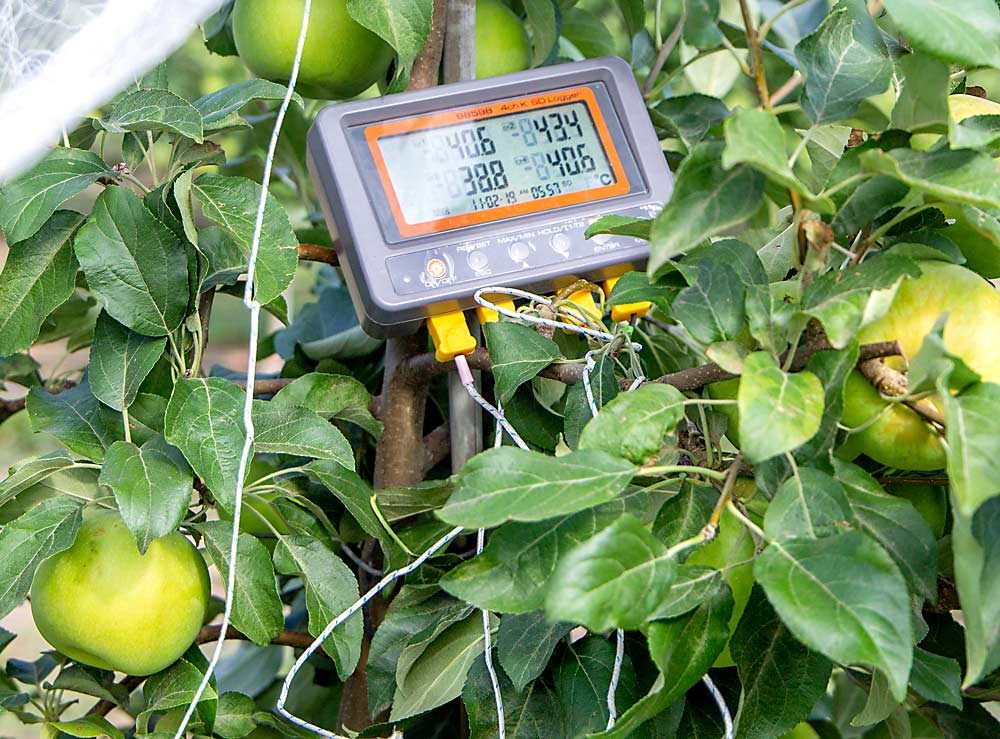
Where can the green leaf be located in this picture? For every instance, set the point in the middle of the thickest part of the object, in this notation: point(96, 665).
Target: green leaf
point(154, 110)
point(38, 276)
point(973, 435)
point(332, 396)
point(614, 580)
point(895, 524)
point(965, 33)
point(923, 100)
point(76, 418)
point(120, 360)
point(711, 308)
point(257, 609)
point(152, 487)
point(512, 573)
point(518, 353)
point(846, 300)
point(778, 411)
point(330, 589)
point(134, 263)
point(633, 425)
point(956, 176)
point(204, 420)
point(532, 712)
point(692, 585)
point(47, 529)
point(543, 18)
point(974, 132)
point(634, 12)
point(683, 649)
point(637, 228)
point(707, 200)
point(976, 549)
point(525, 644)
point(701, 18)
point(234, 718)
point(582, 679)
point(88, 726)
point(91, 681)
point(844, 62)
point(232, 203)
point(30, 200)
point(937, 678)
point(404, 24)
point(586, 30)
point(782, 680)
point(430, 675)
point(216, 107)
point(690, 116)
point(810, 504)
point(508, 484)
point(175, 687)
point(415, 612)
point(293, 430)
point(822, 588)
point(755, 137)
point(32, 471)
point(351, 490)
point(685, 514)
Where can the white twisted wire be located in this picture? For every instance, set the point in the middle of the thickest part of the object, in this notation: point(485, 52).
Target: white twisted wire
point(251, 303)
point(332, 626)
point(727, 719)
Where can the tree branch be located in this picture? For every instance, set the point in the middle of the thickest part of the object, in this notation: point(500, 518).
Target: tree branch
point(207, 635)
point(756, 58)
point(317, 253)
point(892, 383)
point(437, 447)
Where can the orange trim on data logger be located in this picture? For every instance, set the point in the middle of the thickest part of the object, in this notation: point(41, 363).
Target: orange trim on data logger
point(491, 110)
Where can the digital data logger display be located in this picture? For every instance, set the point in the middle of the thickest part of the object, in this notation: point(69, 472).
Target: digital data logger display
point(472, 165)
point(433, 194)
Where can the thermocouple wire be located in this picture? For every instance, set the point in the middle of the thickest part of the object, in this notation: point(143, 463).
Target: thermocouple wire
point(252, 304)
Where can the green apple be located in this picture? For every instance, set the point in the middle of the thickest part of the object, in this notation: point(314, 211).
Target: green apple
point(501, 41)
point(103, 604)
point(802, 731)
point(891, 433)
point(960, 107)
point(732, 551)
point(931, 502)
point(727, 390)
point(341, 57)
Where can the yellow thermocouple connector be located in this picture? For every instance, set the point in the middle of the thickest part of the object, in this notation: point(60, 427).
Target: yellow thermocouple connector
point(451, 335)
point(584, 300)
point(488, 315)
point(625, 311)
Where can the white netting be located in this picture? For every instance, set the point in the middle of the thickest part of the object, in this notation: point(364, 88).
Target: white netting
point(60, 59)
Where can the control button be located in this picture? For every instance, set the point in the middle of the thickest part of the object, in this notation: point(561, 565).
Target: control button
point(561, 244)
point(478, 260)
point(519, 251)
point(436, 268)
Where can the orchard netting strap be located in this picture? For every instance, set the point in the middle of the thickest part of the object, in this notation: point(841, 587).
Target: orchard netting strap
point(62, 59)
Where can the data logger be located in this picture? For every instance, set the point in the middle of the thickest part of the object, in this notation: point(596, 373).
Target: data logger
point(436, 193)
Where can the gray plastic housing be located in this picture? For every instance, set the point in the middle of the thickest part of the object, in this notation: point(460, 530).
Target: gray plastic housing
point(541, 251)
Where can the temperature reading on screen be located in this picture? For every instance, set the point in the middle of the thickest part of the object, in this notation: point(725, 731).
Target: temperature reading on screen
point(495, 163)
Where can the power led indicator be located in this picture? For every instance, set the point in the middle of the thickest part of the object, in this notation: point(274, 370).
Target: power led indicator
point(436, 268)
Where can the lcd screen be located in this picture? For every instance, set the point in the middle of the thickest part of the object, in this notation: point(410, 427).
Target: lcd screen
point(473, 165)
